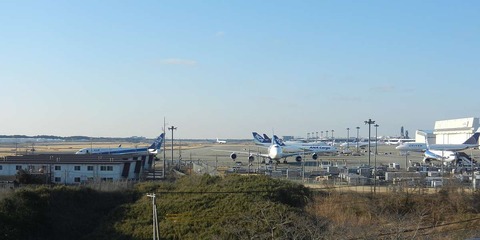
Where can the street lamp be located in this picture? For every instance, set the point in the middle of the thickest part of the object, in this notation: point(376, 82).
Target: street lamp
point(332, 133)
point(356, 140)
point(321, 134)
point(326, 134)
point(369, 122)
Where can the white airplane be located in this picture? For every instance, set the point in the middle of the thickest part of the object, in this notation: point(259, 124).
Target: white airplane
point(447, 152)
point(152, 149)
point(274, 152)
point(221, 141)
point(398, 141)
point(299, 147)
point(438, 155)
point(421, 147)
point(265, 140)
point(361, 144)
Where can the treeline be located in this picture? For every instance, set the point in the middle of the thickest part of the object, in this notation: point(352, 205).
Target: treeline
point(236, 207)
point(75, 138)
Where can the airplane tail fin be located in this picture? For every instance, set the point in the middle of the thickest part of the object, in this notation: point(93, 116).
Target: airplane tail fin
point(276, 140)
point(258, 138)
point(157, 143)
point(267, 138)
point(473, 139)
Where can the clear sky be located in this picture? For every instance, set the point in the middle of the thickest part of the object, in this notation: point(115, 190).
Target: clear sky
point(227, 68)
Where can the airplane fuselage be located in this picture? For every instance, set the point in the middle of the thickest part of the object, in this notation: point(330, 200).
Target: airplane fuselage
point(443, 156)
point(116, 151)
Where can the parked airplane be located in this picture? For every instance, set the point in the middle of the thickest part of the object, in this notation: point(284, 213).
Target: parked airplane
point(299, 147)
point(398, 141)
point(152, 149)
point(361, 144)
point(437, 155)
point(274, 151)
point(421, 147)
point(448, 152)
point(310, 148)
point(221, 141)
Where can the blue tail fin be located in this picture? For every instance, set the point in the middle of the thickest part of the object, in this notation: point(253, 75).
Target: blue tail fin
point(267, 139)
point(276, 140)
point(258, 138)
point(473, 139)
point(158, 143)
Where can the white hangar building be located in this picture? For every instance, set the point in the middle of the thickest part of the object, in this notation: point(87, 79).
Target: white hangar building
point(78, 168)
point(455, 131)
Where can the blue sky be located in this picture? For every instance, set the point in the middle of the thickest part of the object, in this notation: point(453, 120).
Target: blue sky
point(227, 68)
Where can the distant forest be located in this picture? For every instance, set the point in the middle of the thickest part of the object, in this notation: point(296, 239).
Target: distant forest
point(75, 138)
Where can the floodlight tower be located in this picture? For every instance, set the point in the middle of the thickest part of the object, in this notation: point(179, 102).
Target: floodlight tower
point(356, 141)
point(171, 129)
point(369, 122)
point(348, 136)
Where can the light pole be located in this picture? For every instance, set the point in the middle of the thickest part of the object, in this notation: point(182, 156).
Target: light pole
point(321, 134)
point(376, 139)
point(332, 133)
point(316, 138)
point(326, 134)
point(356, 140)
point(171, 129)
point(369, 122)
point(348, 136)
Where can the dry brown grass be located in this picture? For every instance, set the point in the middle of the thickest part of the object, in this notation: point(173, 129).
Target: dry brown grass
point(448, 214)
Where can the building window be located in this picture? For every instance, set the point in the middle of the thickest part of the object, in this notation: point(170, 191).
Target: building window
point(106, 168)
point(77, 179)
point(58, 168)
point(1, 167)
point(58, 179)
point(90, 168)
point(107, 179)
point(76, 168)
point(18, 167)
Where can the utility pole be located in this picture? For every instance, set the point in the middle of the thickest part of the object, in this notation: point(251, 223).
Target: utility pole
point(165, 137)
point(375, 159)
point(171, 129)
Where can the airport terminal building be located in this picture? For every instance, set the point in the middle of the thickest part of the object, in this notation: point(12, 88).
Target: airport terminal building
point(77, 168)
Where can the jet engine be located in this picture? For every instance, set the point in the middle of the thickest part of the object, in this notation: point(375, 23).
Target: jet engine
point(427, 160)
point(314, 156)
point(251, 158)
point(298, 158)
point(233, 156)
